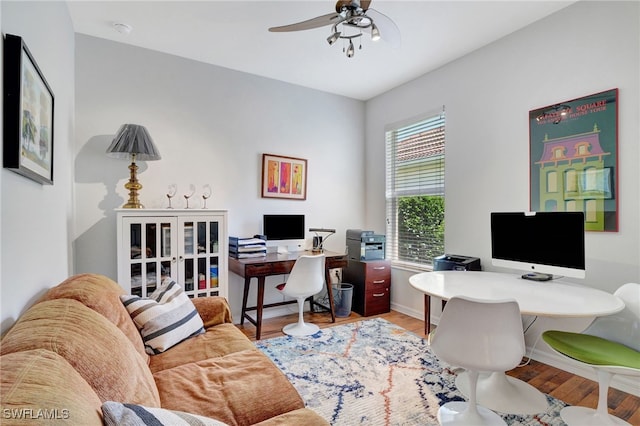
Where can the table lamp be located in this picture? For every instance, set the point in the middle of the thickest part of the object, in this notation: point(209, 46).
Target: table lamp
point(133, 141)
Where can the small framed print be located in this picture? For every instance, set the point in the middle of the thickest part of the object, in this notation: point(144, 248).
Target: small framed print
point(28, 114)
point(284, 177)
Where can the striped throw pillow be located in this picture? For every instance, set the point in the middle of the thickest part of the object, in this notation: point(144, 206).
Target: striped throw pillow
point(117, 414)
point(165, 318)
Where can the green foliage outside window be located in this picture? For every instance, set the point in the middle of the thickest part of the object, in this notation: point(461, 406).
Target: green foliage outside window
point(420, 228)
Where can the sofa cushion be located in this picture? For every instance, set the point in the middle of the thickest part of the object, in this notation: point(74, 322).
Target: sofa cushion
point(221, 340)
point(40, 386)
point(239, 389)
point(93, 346)
point(101, 294)
point(118, 414)
point(213, 310)
point(165, 318)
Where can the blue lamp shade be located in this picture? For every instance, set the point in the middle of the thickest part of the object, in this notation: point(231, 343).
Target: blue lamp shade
point(133, 139)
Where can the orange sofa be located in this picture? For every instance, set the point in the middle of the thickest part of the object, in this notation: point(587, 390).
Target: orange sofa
point(78, 348)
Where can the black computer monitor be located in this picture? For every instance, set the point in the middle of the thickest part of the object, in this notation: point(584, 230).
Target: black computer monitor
point(284, 229)
point(539, 243)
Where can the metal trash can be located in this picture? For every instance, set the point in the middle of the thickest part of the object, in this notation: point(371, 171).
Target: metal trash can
point(342, 296)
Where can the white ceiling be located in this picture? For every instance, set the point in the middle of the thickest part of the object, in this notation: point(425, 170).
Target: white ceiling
point(233, 34)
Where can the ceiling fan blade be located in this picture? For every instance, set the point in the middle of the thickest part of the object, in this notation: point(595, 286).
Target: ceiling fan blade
point(320, 21)
point(389, 31)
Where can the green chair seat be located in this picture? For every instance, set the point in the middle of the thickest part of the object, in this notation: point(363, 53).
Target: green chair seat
point(592, 350)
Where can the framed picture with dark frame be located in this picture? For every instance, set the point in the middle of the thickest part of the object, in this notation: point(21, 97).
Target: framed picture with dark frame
point(28, 114)
point(574, 159)
point(284, 177)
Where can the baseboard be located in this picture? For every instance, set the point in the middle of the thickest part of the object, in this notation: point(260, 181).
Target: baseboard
point(419, 314)
point(407, 311)
point(626, 384)
point(269, 313)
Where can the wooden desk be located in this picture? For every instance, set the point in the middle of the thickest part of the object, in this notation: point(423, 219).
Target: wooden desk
point(277, 264)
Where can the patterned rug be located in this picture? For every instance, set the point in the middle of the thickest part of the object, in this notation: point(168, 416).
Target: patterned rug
point(373, 372)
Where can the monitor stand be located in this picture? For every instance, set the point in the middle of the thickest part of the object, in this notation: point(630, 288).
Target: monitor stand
point(282, 250)
point(536, 276)
point(293, 248)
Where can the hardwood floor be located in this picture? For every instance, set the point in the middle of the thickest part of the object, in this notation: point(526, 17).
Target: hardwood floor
point(567, 387)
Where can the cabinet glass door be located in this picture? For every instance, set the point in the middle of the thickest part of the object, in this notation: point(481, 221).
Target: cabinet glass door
point(199, 261)
point(150, 256)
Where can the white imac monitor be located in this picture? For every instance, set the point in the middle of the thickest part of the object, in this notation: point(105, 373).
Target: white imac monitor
point(543, 243)
point(284, 231)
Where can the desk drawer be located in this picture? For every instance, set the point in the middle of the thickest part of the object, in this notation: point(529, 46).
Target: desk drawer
point(377, 286)
point(259, 269)
point(377, 271)
point(377, 302)
point(282, 267)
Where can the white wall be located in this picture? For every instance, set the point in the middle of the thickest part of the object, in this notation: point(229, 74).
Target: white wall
point(36, 220)
point(487, 95)
point(211, 126)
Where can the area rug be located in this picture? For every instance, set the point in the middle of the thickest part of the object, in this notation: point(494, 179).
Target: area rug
point(373, 372)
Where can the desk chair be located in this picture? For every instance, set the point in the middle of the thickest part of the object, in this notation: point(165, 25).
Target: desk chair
point(478, 336)
point(611, 345)
point(305, 280)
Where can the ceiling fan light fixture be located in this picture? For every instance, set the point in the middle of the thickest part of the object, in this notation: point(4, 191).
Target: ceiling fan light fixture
point(333, 38)
point(350, 49)
point(375, 32)
point(354, 18)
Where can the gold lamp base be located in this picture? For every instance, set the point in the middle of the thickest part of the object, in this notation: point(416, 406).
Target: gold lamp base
point(133, 186)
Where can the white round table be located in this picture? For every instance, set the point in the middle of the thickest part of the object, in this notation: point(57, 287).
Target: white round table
point(547, 298)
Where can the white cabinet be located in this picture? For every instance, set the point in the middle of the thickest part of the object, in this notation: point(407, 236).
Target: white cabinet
point(186, 245)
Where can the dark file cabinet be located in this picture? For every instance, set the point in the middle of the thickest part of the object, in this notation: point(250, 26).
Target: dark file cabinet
point(371, 286)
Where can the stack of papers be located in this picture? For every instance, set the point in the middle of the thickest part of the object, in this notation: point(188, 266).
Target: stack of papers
point(241, 248)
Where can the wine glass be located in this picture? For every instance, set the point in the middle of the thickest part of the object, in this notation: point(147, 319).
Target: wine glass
point(173, 190)
point(192, 190)
point(206, 193)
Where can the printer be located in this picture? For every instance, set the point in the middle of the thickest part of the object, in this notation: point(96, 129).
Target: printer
point(453, 262)
point(364, 245)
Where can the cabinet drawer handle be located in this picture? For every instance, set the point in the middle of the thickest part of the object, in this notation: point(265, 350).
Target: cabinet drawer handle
point(378, 281)
point(378, 294)
point(379, 268)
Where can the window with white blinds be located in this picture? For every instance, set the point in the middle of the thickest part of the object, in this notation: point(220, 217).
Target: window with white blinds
point(415, 161)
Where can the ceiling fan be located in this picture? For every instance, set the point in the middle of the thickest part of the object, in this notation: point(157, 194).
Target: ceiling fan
point(348, 22)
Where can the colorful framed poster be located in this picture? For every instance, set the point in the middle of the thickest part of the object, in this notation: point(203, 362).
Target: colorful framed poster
point(284, 177)
point(28, 114)
point(573, 159)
